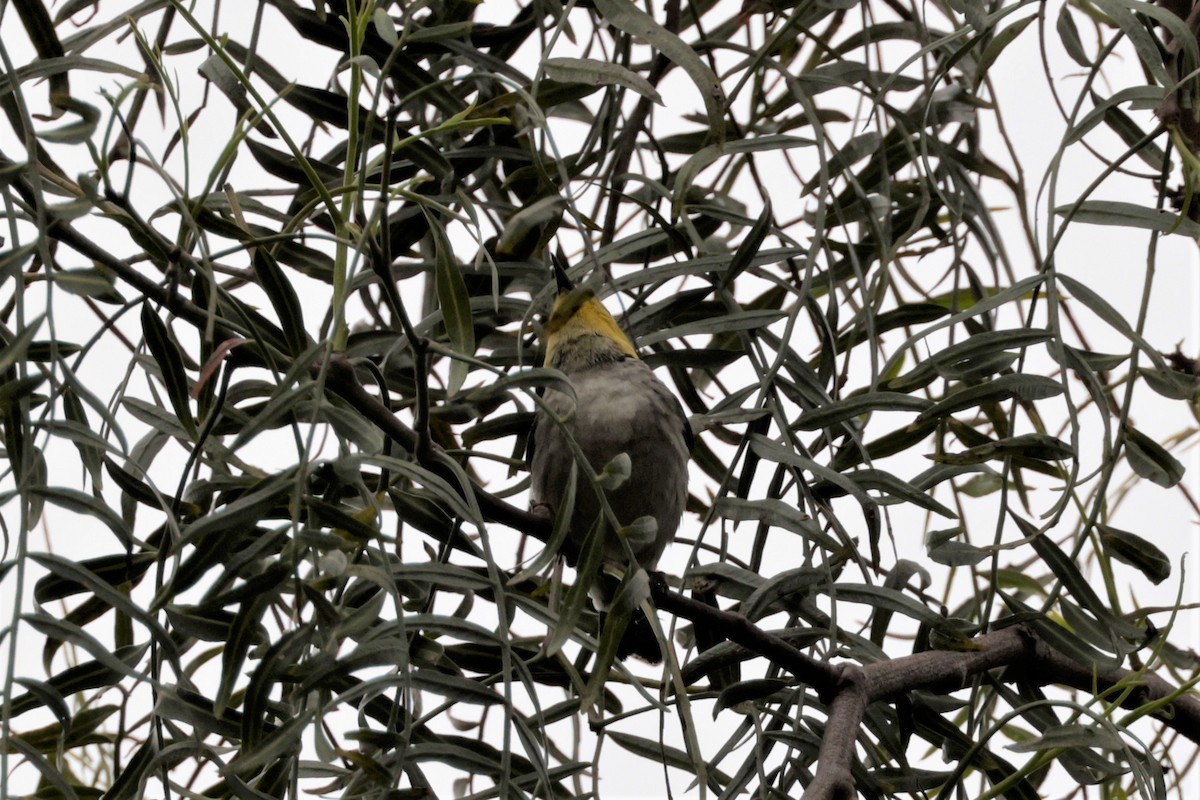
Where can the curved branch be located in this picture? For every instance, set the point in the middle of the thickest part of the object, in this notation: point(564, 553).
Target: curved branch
point(848, 689)
point(1018, 647)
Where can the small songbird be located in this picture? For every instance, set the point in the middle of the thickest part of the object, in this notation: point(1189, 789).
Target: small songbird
point(619, 407)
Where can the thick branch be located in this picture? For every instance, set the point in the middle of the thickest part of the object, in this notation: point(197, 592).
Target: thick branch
point(834, 779)
point(1181, 714)
point(946, 671)
point(1019, 647)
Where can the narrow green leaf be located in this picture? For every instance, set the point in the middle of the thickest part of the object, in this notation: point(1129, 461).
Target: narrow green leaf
point(13, 260)
point(77, 731)
point(244, 631)
point(737, 321)
point(854, 150)
point(215, 70)
point(1067, 736)
point(170, 363)
point(83, 677)
point(1101, 307)
point(1068, 34)
point(287, 400)
point(1021, 583)
point(530, 224)
point(996, 46)
point(468, 755)
point(1149, 50)
point(35, 18)
point(1170, 383)
point(140, 491)
point(385, 26)
point(749, 691)
point(856, 405)
point(283, 299)
point(287, 167)
point(889, 484)
point(103, 590)
point(455, 688)
point(455, 304)
point(195, 710)
point(129, 784)
point(1129, 215)
point(1087, 359)
point(571, 610)
point(789, 590)
point(1126, 127)
point(909, 779)
point(1079, 587)
point(750, 246)
point(898, 577)
point(461, 503)
point(85, 504)
point(13, 391)
point(16, 350)
point(593, 72)
point(1026, 387)
point(89, 282)
point(53, 779)
point(732, 581)
point(891, 600)
point(711, 153)
point(1038, 446)
point(867, 324)
point(157, 417)
point(765, 448)
point(774, 513)
point(244, 513)
point(627, 17)
point(665, 754)
point(1084, 365)
point(1151, 460)
point(87, 118)
point(113, 570)
point(957, 554)
point(976, 369)
point(991, 342)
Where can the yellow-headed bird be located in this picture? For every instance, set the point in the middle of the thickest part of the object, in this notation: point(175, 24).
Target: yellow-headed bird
point(619, 407)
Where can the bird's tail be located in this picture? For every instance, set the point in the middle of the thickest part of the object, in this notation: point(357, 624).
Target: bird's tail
point(639, 640)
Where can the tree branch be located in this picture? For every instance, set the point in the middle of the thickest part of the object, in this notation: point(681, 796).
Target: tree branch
point(944, 671)
point(847, 689)
point(821, 675)
point(341, 378)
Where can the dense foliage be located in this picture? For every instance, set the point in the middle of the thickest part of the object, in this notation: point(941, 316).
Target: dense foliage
point(268, 305)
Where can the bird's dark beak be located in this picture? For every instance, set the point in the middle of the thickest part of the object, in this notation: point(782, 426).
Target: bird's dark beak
point(560, 273)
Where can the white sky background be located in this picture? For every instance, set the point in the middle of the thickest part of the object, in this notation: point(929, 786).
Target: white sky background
point(1112, 261)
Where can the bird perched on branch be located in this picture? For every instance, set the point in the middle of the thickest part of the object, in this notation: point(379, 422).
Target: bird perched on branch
point(620, 409)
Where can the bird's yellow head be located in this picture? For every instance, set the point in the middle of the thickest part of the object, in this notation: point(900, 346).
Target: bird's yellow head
point(580, 332)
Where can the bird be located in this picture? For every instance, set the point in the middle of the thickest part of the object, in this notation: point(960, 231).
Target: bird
point(619, 407)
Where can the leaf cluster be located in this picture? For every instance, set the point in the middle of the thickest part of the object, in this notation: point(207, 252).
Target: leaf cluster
point(268, 343)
